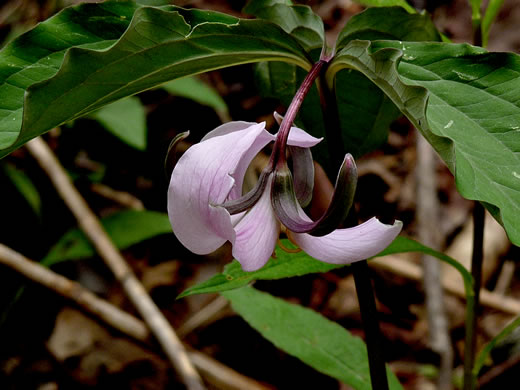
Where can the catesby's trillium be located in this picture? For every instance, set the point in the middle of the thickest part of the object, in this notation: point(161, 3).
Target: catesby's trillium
point(206, 206)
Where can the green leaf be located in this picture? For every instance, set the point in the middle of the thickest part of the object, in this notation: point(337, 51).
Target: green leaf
point(387, 3)
point(475, 12)
point(365, 112)
point(37, 55)
point(125, 228)
point(305, 334)
point(297, 20)
point(484, 353)
point(126, 119)
point(286, 265)
point(61, 70)
point(465, 101)
point(491, 14)
point(283, 265)
point(198, 91)
point(388, 23)
point(25, 186)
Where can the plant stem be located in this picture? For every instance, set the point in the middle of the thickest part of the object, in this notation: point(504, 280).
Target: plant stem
point(471, 316)
point(278, 153)
point(373, 339)
point(365, 293)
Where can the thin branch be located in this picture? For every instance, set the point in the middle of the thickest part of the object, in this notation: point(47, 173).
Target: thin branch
point(427, 217)
point(133, 288)
point(215, 372)
point(471, 315)
point(206, 315)
point(118, 319)
point(121, 197)
point(407, 269)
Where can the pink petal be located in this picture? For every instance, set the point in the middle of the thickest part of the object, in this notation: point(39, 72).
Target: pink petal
point(263, 139)
point(299, 137)
point(344, 246)
point(226, 128)
point(203, 179)
point(256, 234)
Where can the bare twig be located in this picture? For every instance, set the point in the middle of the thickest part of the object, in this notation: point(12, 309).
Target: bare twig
point(412, 271)
point(428, 219)
point(121, 197)
point(119, 319)
point(215, 373)
point(505, 277)
point(222, 376)
point(133, 288)
point(204, 316)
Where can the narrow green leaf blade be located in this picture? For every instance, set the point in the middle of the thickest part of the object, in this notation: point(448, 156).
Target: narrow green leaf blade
point(159, 45)
point(126, 119)
point(491, 14)
point(475, 11)
point(283, 265)
point(484, 353)
point(465, 101)
point(25, 186)
point(125, 228)
point(303, 333)
point(286, 265)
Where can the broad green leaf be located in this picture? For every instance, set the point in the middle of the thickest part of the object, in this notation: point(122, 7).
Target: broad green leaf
point(491, 14)
point(47, 79)
point(388, 23)
point(198, 91)
point(37, 55)
point(484, 353)
point(125, 228)
point(365, 112)
point(387, 3)
point(465, 101)
point(297, 20)
point(305, 334)
point(126, 119)
point(24, 186)
point(286, 265)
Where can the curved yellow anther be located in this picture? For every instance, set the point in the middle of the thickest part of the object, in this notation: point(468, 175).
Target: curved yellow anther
point(288, 250)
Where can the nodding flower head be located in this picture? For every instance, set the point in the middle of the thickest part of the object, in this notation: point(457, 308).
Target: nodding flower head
point(206, 206)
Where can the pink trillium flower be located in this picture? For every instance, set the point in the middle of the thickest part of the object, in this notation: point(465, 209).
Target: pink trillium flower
point(206, 206)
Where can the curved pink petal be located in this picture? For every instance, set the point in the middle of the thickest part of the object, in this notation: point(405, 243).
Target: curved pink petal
point(256, 234)
point(344, 246)
point(226, 128)
point(240, 170)
point(203, 179)
point(299, 137)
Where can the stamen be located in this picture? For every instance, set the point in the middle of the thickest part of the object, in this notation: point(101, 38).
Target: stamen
point(288, 250)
